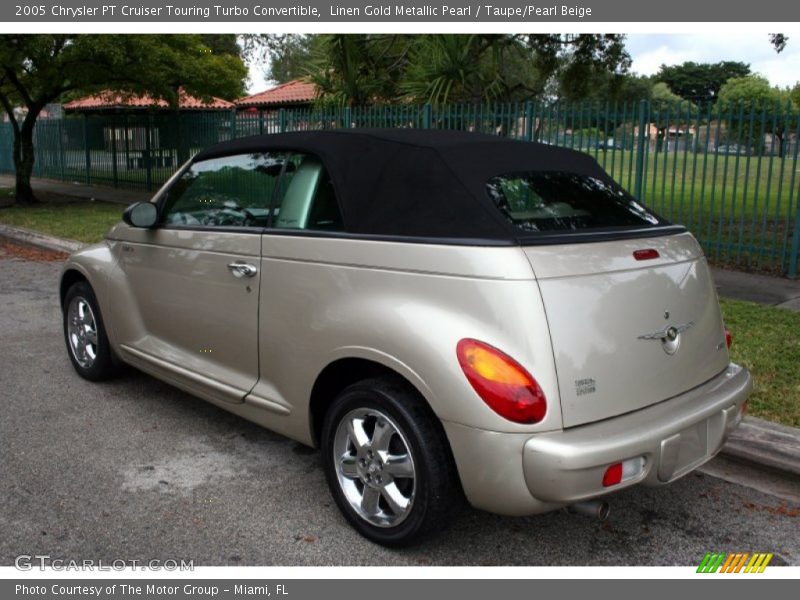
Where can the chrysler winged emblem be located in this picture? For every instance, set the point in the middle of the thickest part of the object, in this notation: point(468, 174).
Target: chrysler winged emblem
point(670, 332)
point(669, 336)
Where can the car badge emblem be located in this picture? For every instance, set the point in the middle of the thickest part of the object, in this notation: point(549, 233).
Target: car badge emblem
point(669, 336)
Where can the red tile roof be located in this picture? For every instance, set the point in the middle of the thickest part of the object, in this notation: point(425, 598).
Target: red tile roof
point(292, 92)
point(110, 100)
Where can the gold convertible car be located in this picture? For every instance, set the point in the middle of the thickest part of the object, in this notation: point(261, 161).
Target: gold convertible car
point(443, 314)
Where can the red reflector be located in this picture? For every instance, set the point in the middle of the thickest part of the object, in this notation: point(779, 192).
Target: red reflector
point(647, 254)
point(728, 338)
point(744, 408)
point(613, 475)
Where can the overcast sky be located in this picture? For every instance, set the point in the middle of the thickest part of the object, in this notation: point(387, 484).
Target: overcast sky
point(650, 51)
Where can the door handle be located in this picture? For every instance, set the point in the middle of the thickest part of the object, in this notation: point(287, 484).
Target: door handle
point(241, 269)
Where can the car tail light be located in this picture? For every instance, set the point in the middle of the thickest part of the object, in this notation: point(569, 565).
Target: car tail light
point(646, 254)
point(613, 475)
point(728, 339)
point(501, 382)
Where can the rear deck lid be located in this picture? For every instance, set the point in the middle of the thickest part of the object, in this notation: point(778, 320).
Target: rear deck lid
point(633, 322)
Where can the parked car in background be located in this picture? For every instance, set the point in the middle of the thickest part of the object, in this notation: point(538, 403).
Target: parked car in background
point(608, 144)
point(732, 149)
point(442, 314)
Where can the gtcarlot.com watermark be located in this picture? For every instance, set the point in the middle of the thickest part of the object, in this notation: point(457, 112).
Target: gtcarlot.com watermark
point(28, 562)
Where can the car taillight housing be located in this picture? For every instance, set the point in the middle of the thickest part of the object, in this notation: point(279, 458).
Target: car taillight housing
point(728, 339)
point(501, 382)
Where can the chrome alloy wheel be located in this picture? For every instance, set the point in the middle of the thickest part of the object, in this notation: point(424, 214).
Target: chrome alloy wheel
point(82, 332)
point(375, 467)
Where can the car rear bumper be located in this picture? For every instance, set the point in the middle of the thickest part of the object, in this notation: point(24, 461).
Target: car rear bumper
point(561, 467)
point(673, 437)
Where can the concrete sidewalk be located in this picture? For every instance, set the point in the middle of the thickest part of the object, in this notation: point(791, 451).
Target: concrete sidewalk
point(82, 191)
point(775, 291)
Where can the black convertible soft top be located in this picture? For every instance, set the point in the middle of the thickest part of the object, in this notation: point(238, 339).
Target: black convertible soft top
point(419, 183)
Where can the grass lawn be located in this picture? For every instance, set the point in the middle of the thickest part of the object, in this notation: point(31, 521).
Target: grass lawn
point(82, 221)
point(766, 340)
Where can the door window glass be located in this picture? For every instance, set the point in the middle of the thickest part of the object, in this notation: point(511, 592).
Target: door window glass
point(230, 191)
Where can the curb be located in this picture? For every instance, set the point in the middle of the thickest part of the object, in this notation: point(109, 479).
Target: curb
point(37, 239)
point(755, 440)
point(767, 444)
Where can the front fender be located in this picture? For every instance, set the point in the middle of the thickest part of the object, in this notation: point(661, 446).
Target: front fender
point(90, 263)
point(99, 267)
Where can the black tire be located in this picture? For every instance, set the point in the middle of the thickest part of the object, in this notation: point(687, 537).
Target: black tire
point(435, 490)
point(100, 363)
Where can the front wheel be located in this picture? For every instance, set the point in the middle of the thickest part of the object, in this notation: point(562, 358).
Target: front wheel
point(85, 334)
point(387, 462)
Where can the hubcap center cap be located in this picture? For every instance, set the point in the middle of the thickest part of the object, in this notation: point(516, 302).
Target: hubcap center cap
point(370, 470)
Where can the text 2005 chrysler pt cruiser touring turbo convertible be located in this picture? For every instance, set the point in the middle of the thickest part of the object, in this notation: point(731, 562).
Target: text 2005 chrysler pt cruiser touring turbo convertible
point(441, 313)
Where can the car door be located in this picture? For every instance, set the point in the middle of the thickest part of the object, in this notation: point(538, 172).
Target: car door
point(305, 208)
point(196, 277)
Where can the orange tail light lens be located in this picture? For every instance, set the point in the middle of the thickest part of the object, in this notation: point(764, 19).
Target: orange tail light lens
point(501, 382)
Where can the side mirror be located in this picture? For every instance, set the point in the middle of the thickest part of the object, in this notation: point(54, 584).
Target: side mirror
point(141, 214)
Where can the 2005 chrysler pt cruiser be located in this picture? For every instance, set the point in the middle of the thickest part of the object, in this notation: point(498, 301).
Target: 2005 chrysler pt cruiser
point(443, 314)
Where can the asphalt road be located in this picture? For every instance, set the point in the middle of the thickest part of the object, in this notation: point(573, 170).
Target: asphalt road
point(135, 469)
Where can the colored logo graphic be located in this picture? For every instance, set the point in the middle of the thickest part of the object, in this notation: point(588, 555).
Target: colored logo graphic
point(744, 562)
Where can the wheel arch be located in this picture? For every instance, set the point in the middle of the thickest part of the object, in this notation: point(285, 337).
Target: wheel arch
point(70, 277)
point(343, 372)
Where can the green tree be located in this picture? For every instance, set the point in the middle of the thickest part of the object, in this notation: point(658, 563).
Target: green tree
point(668, 109)
point(794, 94)
point(364, 69)
point(358, 69)
point(573, 62)
point(700, 82)
point(289, 56)
point(662, 95)
point(468, 68)
point(625, 88)
point(36, 70)
point(778, 41)
point(771, 108)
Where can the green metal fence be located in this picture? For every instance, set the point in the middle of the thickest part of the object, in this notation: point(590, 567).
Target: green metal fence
point(730, 176)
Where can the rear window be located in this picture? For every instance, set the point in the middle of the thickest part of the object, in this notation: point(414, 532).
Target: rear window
point(555, 201)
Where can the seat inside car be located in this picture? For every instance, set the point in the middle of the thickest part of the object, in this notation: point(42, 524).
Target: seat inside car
point(296, 205)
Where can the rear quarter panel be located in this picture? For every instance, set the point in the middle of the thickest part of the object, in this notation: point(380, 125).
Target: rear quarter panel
point(404, 306)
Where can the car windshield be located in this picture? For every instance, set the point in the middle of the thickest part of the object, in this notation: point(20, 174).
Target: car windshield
point(559, 201)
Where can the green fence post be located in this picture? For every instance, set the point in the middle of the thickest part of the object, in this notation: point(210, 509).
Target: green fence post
point(426, 116)
point(793, 255)
point(640, 150)
point(282, 120)
point(114, 152)
point(147, 152)
point(61, 148)
point(348, 117)
point(86, 149)
point(529, 121)
point(261, 121)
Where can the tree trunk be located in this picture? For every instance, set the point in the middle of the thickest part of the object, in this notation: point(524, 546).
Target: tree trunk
point(24, 158)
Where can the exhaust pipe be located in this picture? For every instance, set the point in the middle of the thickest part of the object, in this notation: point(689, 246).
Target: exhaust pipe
point(591, 508)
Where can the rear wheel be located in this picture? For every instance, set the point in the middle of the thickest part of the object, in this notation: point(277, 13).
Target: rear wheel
point(387, 462)
point(85, 334)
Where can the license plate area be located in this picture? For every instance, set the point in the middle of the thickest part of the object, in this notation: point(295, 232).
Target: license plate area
point(683, 451)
